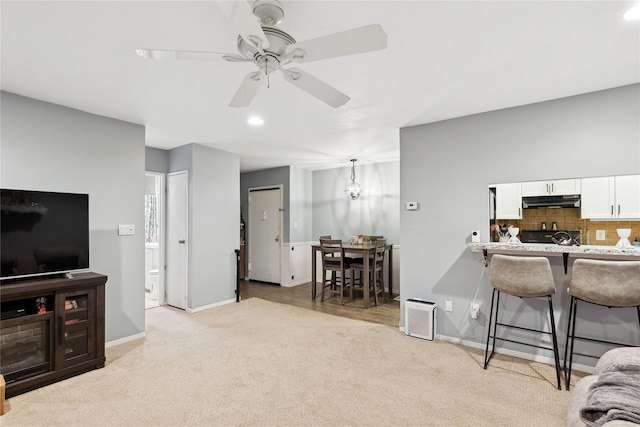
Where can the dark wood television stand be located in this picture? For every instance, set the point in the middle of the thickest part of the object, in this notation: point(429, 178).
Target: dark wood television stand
point(51, 329)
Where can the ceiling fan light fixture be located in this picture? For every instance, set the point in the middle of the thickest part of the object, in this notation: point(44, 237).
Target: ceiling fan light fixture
point(268, 12)
point(353, 190)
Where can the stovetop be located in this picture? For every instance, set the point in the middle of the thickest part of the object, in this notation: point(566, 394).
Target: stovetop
point(544, 236)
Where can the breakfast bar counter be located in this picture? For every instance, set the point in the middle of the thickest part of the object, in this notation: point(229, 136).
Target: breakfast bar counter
point(544, 249)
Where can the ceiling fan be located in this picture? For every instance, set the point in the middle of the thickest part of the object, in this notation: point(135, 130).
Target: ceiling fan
point(271, 49)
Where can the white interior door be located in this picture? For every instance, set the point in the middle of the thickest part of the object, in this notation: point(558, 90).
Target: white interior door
point(265, 238)
point(176, 282)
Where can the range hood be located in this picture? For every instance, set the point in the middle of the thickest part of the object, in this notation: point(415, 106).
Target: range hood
point(566, 201)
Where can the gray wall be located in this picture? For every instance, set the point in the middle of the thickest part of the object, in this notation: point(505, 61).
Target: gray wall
point(214, 221)
point(156, 160)
point(264, 178)
point(375, 212)
point(447, 167)
point(53, 148)
point(300, 205)
point(215, 225)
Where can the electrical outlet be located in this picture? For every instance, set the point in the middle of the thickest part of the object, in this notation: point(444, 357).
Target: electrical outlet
point(475, 309)
point(600, 235)
point(448, 305)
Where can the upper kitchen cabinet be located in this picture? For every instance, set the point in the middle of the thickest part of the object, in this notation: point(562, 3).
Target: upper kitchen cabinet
point(558, 187)
point(611, 197)
point(509, 201)
point(627, 196)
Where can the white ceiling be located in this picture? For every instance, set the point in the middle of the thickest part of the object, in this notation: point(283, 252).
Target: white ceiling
point(444, 59)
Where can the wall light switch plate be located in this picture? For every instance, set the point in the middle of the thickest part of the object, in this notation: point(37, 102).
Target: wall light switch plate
point(448, 305)
point(600, 235)
point(126, 230)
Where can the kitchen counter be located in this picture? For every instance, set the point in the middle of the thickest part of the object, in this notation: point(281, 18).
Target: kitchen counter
point(548, 249)
point(551, 249)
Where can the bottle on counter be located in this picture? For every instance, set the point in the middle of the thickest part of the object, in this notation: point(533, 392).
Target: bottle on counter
point(636, 243)
point(588, 236)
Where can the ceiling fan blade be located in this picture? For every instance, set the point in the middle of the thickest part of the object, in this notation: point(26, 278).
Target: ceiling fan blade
point(241, 16)
point(163, 54)
point(357, 40)
point(315, 87)
point(248, 90)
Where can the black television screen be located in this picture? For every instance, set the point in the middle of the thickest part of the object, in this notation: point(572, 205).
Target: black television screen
point(43, 233)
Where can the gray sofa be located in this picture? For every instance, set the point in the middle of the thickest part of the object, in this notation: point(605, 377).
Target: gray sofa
point(611, 396)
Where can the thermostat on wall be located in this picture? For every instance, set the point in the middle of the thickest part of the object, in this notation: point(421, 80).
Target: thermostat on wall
point(412, 206)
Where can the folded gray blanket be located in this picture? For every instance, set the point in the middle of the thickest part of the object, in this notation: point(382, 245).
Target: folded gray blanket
point(614, 396)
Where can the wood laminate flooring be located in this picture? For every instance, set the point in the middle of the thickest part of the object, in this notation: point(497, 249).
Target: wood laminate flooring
point(386, 313)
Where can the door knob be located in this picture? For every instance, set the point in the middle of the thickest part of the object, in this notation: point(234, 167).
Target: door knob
point(182, 242)
point(277, 238)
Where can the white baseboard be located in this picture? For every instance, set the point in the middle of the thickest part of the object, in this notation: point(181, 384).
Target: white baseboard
point(206, 307)
point(297, 283)
point(507, 352)
point(125, 339)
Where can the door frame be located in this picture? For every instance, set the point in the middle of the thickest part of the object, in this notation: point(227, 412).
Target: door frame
point(187, 237)
point(161, 192)
point(281, 211)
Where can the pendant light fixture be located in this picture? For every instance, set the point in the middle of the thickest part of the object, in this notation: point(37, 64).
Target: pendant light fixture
point(353, 189)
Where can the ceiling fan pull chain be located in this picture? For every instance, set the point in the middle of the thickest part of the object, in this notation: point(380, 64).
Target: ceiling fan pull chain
point(265, 71)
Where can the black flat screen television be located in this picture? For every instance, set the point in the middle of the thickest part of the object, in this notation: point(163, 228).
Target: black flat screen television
point(43, 233)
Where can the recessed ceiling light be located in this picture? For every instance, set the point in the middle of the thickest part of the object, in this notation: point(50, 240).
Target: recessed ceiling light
point(255, 121)
point(633, 13)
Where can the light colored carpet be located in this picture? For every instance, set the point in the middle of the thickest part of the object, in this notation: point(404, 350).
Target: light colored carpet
point(262, 363)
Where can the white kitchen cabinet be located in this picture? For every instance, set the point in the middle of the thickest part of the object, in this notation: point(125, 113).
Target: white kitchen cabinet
point(611, 197)
point(557, 187)
point(598, 197)
point(509, 201)
point(627, 197)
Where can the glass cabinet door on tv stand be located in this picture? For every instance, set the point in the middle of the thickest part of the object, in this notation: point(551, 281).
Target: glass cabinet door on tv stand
point(75, 342)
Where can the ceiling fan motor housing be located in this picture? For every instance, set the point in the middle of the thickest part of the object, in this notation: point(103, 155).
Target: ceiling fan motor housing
point(268, 59)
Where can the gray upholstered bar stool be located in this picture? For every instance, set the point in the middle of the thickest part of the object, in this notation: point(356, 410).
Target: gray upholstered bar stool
point(523, 277)
point(613, 284)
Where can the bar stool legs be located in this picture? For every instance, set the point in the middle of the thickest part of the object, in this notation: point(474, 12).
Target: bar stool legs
point(492, 336)
point(571, 335)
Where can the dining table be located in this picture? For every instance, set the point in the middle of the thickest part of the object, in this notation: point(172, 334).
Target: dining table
point(363, 250)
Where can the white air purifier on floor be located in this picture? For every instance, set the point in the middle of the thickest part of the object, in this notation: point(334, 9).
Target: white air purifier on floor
point(420, 318)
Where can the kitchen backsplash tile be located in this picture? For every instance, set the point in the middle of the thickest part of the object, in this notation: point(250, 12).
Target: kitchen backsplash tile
point(569, 219)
